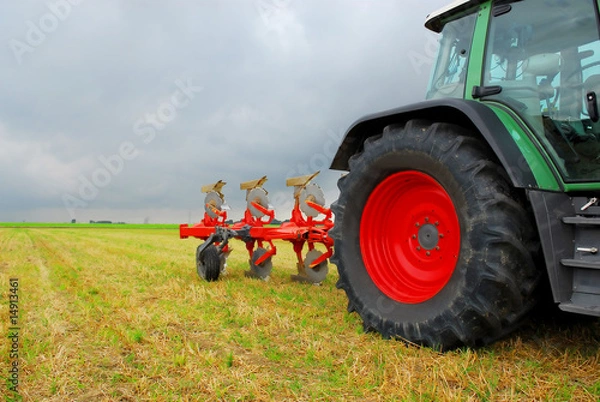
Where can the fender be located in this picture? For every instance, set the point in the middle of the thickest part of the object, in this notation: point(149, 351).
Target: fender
point(466, 113)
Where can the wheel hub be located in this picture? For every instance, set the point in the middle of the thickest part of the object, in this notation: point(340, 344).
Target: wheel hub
point(428, 236)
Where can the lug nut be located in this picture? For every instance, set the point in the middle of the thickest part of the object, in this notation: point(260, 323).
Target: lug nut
point(426, 219)
point(437, 248)
point(437, 224)
point(428, 254)
point(417, 224)
point(441, 235)
point(414, 236)
point(418, 248)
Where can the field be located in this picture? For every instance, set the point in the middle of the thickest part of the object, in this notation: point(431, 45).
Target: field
point(28, 225)
point(120, 314)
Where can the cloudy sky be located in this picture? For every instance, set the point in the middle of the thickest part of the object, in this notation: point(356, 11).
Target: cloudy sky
point(122, 110)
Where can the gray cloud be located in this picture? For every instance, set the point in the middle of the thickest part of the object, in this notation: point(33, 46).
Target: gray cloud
point(281, 81)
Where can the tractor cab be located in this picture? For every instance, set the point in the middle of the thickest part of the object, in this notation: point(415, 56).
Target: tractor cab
point(539, 60)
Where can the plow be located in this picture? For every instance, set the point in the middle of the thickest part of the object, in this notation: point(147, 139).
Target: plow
point(307, 227)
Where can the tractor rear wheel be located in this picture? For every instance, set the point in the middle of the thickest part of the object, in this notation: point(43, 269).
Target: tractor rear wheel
point(432, 242)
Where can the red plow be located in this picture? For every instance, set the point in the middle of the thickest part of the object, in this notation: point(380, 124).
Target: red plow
point(304, 228)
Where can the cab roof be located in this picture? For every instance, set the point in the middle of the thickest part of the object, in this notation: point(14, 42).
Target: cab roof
point(436, 20)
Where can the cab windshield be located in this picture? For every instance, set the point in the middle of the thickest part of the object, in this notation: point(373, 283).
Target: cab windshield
point(450, 72)
point(544, 55)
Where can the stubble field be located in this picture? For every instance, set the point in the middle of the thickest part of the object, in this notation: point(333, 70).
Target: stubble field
point(120, 314)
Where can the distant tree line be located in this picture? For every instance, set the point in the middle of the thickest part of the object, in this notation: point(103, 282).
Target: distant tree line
point(273, 222)
point(108, 222)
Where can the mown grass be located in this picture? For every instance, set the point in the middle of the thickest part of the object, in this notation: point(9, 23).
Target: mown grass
point(121, 315)
point(59, 225)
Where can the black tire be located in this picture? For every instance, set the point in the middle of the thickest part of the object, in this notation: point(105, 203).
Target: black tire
point(492, 282)
point(208, 263)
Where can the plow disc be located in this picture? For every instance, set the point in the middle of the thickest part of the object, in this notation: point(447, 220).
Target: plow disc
point(260, 270)
point(310, 196)
point(258, 202)
point(315, 272)
point(303, 228)
point(213, 204)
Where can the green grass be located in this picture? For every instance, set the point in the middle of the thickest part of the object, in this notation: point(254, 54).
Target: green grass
point(88, 225)
point(121, 315)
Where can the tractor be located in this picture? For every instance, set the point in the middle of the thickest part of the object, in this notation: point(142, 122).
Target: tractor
point(457, 212)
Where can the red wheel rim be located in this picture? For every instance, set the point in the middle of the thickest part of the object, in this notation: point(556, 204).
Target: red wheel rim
point(410, 237)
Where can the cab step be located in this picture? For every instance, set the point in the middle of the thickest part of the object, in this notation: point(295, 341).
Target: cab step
point(582, 303)
point(580, 264)
point(580, 220)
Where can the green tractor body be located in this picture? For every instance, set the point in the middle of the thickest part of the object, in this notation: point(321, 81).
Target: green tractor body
point(458, 210)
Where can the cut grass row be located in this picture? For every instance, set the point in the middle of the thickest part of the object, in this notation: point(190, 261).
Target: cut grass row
point(58, 225)
point(121, 315)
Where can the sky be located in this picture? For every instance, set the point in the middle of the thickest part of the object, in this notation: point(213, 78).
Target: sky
point(122, 110)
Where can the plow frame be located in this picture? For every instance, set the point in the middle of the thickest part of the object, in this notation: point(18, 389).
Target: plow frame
point(252, 229)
